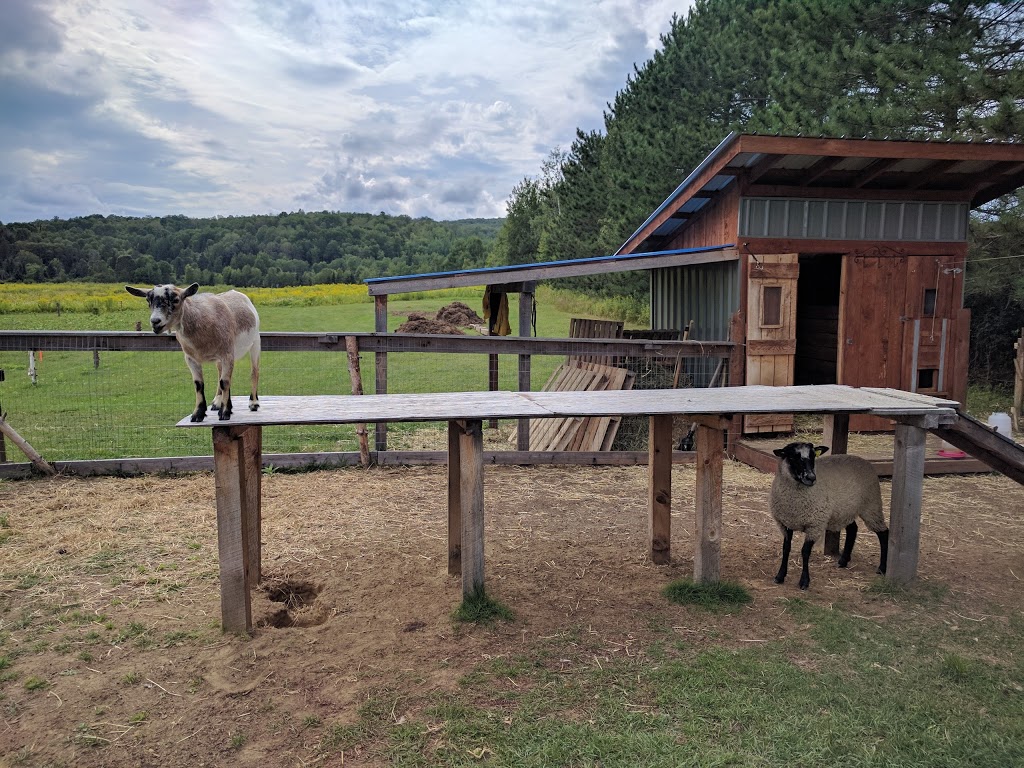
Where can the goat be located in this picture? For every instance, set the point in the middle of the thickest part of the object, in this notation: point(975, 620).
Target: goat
point(211, 327)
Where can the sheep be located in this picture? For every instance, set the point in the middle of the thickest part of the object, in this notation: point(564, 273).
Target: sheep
point(827, 497)
point(210, 327)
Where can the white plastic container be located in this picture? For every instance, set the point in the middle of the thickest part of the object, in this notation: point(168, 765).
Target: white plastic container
point(1000, 422)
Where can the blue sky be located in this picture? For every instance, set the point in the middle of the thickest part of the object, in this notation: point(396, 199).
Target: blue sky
point(235, 107)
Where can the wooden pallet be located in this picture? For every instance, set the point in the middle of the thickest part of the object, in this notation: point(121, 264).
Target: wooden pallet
point(576, 433)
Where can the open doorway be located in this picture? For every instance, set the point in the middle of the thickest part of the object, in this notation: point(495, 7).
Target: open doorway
point(817, 319)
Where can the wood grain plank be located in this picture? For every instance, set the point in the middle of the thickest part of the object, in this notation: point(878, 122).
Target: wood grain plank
point(471, 492)
point(905, 509)
point(710, 447)
point(232, 532)
point(659, 475)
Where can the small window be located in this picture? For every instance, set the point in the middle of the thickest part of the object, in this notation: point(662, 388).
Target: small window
point(771, 306)
point(926, 379)
point(928, 308)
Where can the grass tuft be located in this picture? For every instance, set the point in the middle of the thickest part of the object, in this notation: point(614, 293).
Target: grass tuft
point(722, 595)
point(478, 608)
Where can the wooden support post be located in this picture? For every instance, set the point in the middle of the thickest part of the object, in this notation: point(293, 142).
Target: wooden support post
point(380, 325)
point(471, 497)
point(37, 461)
point(836, 435)
point(525, 385)
point(492, 383)
point(710, 446)
point(905, 510)
point(356, 377)
point(1017, 411)
point(659, 482)
point(233, 531)
point(454, 500)
point(252, 454)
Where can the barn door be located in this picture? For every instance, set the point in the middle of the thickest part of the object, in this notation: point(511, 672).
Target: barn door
point(771, 331)
point(936, 327)
point(872, 300)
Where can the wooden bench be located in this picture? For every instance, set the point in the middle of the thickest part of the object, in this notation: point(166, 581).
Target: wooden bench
point(238, 453)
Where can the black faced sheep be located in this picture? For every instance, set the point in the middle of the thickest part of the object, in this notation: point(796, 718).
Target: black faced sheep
point(829, 496)
point(211, 327)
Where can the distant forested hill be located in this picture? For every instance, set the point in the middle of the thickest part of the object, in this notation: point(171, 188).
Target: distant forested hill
point(267, 251)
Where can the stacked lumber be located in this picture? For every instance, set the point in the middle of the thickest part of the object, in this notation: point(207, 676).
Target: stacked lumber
point(577, 433)
point(585, 328)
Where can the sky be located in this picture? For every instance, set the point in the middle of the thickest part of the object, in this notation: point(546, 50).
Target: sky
point(238, 107)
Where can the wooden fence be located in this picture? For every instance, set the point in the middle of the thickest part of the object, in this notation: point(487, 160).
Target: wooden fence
point(380, 345)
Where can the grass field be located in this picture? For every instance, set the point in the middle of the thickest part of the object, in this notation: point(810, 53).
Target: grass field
point(126, 406)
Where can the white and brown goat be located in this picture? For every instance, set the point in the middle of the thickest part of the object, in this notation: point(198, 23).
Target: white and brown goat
point(211, 328)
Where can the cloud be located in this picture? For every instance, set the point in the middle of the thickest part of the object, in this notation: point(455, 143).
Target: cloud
point(247, 106)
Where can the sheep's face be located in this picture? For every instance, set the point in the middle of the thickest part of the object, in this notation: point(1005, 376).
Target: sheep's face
point(165, 303)
point(797, 459)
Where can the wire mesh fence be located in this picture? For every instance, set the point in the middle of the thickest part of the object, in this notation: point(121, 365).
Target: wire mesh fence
point(112, 396)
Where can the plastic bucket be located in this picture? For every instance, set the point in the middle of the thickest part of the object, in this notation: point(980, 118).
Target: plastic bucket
point(1000, 422)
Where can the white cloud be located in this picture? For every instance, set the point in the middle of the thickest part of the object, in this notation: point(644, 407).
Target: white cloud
point(210, 107)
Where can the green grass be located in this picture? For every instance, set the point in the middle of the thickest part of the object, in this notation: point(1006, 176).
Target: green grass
point(128, 405)
point(838, 689)
point(479, 608)
point(722, 595)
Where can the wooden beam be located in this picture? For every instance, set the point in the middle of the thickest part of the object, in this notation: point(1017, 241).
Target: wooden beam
point(905, 510)
point(708, 505)
point(380, 326)
point(659, 476)
point(873, 171)
point(252, 456)
point(471, 496)
point(623, 262)
point(815, 245)
point(796, 189)
point(761, 167)
point(233, 531)
point(454, 500)
point(819, 169)
point(526, 310)
point(836, 435)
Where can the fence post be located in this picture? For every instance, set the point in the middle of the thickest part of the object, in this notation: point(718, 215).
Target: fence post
point(1018, 383)
point(352, 346)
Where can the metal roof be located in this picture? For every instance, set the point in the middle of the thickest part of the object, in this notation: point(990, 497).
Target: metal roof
point(973, 172)
point(545, 270)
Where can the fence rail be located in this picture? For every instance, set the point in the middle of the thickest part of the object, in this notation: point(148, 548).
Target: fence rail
point(100, 406)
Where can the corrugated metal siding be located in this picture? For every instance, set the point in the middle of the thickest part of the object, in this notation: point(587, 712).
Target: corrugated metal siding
point(708, 294)
point(812, 218)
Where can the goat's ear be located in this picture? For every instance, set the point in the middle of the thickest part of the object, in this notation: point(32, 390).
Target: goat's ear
point(136, 291)
point(820, 450)
point(190, 290)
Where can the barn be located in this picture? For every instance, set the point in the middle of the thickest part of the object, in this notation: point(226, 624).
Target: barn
point(848, 265)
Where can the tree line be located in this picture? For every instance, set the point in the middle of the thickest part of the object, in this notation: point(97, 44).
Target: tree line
point(261, 251)
point(900, 69)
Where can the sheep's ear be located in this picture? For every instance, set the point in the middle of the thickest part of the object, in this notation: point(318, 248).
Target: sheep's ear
point(780, 452)
point(136, 291)
point(190, 290)
point(820, 450)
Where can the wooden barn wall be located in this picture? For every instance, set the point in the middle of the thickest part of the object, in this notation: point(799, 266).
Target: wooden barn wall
point(715, 225)
point(708, 294)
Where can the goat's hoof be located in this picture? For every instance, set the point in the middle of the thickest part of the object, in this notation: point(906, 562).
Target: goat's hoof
point(843, 563)
point(254, 406)
point(198, 416)
point(780, 579)
point(215, 407)
point(805, 583)
point(224, 414)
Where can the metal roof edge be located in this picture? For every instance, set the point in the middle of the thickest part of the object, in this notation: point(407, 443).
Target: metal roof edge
point(546, 264)
point(715, 153)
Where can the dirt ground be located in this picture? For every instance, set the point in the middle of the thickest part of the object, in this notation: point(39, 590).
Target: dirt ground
point(109, 603)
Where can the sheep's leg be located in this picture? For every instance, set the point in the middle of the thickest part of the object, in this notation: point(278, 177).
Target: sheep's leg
point(224, 370)
point(197, 376)
point(883, 543)
point(254, 363)
point(787, 543)
point(805, 556)
point(851, 537)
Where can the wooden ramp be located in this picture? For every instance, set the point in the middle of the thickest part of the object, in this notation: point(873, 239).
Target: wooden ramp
point(982, 442)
